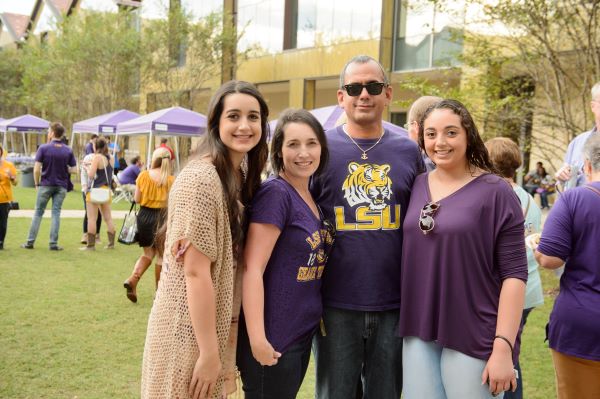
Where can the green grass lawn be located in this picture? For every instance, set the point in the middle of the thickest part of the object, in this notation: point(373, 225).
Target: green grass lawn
point(26, 197)
point(67, 330)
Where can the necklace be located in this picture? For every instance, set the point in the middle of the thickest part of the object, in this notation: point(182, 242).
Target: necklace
point(364, 152)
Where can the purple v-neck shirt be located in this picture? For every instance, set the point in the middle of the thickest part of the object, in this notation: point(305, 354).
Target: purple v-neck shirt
point(451, 277)
point(572, 233)
point(292, 278)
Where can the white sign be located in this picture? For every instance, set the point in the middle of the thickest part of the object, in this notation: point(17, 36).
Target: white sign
point(107, 129)
point(163, 127)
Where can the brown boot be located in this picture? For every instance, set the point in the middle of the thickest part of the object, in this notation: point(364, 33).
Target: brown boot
point(142, 264)
point(84, 238)
point(111, 240)
point(91, 243)
point(157, 270)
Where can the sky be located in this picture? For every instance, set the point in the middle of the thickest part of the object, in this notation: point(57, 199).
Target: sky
point(17, 6)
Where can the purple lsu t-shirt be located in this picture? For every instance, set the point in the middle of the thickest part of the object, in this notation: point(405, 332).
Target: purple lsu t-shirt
point(56, 159)
point(452, 276)
point(572, 233)
point(292, 278)
point(129, 175)
point(367, 199)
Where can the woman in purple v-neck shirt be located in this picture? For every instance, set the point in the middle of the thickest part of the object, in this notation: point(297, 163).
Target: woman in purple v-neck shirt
point(464, 267)
point(285, 257)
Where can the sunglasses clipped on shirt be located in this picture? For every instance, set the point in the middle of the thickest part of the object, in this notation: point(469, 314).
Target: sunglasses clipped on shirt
point(426, 221)
point(373, 88)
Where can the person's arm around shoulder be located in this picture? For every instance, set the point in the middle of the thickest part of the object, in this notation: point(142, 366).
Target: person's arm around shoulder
point(259, 246)
point(202, 308)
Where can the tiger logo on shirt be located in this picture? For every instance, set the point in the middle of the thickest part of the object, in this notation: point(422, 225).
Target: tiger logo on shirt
point(367, 184)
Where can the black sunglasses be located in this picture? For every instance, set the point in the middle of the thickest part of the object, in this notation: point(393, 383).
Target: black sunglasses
point(329, 239)
point(426, 221)
point(373, 88)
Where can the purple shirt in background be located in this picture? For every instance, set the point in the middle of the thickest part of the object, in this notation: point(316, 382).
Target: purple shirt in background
point(129, 175)
point(367, 200)
point(89, 148)
point(56, 159)
point(451, 277)
point(292, 278)
point(572, 233)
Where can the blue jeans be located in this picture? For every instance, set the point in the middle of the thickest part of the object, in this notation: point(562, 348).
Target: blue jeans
point(435, 372)
point(44, 193)
point(281, 381)
point(358, 345)
point(518, 394)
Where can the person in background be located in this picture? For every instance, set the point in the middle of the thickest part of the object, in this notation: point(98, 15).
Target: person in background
point(115, 151)
point(571, 173)
point(285, 257)
point(8, 178)
point(90, 147)
point(151, 193)
point(100, 174)
point(570, 237)
point(54, 162)
point(163, 144)
point(415, 113)
point(86, 162)
point(465, 267)
point(365, 188)
point(533, 183)
point(506, 158)
point(192, 329)
point(130, 174)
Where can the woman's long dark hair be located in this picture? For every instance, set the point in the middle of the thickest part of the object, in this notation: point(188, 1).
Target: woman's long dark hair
point(212, 146)
point(477, 154)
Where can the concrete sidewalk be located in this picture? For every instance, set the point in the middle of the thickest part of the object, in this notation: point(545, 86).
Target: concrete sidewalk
point(65, 213)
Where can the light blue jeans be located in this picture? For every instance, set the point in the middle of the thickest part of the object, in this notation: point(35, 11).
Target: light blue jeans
point(44, 193)
point(434, 372)
point(358, 346)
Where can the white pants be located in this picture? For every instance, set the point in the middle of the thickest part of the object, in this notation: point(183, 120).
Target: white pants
point(434, 372)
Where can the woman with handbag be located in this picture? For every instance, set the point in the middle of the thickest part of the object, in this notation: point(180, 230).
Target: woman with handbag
point(8, 178)
point(151, 192)
point(100, 173)
point(192, 329)
point(463, 280)
point(571, 234)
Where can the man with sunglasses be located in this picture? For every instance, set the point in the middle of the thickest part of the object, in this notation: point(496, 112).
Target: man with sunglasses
point(365, 189)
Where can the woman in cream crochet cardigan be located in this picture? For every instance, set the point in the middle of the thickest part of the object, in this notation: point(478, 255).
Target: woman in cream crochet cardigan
point(192, 330)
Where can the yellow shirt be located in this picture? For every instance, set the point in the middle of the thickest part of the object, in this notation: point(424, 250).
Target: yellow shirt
point(5, 183)
point(153, 195)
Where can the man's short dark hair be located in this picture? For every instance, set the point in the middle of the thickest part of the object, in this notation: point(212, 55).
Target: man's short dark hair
point(164, 140)
point(135, 160)
point(57, 129)
point(362, 59)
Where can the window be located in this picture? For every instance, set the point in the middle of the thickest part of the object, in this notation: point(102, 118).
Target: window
point(427, 36)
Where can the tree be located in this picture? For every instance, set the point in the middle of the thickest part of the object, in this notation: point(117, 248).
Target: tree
point(531, 81)
point(183, 54)
point(11, 73)
point(90, 67)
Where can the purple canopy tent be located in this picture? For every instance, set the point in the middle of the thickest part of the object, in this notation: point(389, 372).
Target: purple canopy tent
point(24, 124)
point(334, 115)
point(103, 124)
point(174, 121)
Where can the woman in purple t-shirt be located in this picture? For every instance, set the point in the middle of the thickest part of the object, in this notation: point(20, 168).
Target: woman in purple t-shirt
point(463, 269)
point(571, 234)
point(285, 256)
